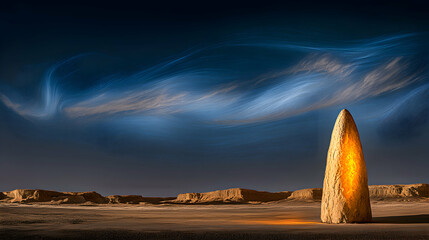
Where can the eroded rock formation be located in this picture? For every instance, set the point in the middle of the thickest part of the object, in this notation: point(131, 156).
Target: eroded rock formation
point(233, 195)
point(136, 199)
point(92, 196)
point(399, 191)
point(31, 195)
point(130, 199)
point(314, 194)
point(345, 188)
point(37, 195)
point(409, 192)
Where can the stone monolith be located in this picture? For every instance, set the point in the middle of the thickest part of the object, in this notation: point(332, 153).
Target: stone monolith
point(345, 196)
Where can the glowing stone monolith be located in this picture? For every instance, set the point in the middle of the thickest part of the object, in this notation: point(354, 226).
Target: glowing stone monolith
point(345, 196)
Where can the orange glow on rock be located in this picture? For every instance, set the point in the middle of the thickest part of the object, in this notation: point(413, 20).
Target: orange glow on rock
point(352, 162)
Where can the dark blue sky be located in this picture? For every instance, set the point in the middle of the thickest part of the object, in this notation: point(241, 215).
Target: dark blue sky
point(163, 99)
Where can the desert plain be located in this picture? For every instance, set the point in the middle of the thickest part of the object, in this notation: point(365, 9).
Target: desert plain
point(399, 212)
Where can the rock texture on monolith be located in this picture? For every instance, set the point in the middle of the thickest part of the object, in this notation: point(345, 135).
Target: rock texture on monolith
point(345, 196)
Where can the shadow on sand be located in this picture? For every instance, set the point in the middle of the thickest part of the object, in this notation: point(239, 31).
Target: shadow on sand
point(422, 218)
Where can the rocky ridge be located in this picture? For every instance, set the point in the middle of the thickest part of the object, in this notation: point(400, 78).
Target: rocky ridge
point(233, 195)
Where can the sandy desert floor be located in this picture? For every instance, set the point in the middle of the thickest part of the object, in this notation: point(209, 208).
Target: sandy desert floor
point(279, 220)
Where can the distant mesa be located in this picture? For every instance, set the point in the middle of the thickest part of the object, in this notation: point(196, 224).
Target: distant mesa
point(399, 191)
point(30, 195)
point(136, 199)
point(234, 195)
point(131, 199)
point(93, 197)
point(307, 194)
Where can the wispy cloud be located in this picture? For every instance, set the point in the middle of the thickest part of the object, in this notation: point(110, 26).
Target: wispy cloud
point(320, 77)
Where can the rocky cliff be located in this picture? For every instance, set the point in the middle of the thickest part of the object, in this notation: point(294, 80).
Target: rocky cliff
point(233, 195)
point(136, 199)
point(307, 194)
point(239, 195)
point(399, 191)
point(37, 195)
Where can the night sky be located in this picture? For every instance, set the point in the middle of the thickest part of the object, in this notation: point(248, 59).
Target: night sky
point(161, 99)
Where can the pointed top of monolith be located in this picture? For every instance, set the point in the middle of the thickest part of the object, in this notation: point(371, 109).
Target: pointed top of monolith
point(344, 115)
point(344, 125)
point(344, 112)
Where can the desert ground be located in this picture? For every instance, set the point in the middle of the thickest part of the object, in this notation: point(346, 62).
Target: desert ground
point(287, 219)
